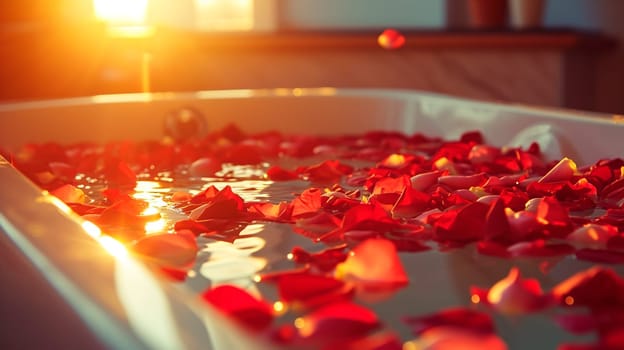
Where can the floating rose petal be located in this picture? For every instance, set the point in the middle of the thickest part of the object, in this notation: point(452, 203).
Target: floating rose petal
point(515, 295)
point(555, 216)
point(604, 172)
point(221, 229)
point(280, 212)
point(126, 214)
point(337, 320)
point(463, 223)
point(338, 201)
point(411, 203)
point(277, 173)
point(325, 260)
point(241, 306)
point(224, 205)
point(317, 225)
point(562, 171)
point(496, 223)
point(171, 250)
point(480, 154)
point(391, 39)
point(367, 216)
point(374, 263)
point(523, 225)
point(174, 274)
point(612, 195)
point(69, 194)
point(423, 181)
point(307, 203)
point(592, 236)
point(327, 172)
point(597, 287)
point(463, 181)
point(179, 197)
point(396, 161)
point(370, 219)
point(311, 291)
point(391, 185)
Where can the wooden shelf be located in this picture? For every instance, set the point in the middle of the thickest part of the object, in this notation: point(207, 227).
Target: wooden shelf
point(558, 39)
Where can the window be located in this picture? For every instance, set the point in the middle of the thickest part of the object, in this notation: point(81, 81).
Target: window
point(196, 15)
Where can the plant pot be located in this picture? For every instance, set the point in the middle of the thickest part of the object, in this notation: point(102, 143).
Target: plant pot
point(525, 14)
point(487, 14)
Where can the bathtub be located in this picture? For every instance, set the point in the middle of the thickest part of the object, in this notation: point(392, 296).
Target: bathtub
point(94, 287)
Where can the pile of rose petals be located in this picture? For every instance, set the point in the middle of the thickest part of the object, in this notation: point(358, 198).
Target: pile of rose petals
point(370, 198)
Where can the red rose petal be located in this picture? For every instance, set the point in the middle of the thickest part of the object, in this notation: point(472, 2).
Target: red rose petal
point(592, 236)
point(391, 185)
point(327, 172)
point(562, 171)
point(307, 203)
point(596, 287)
point(411, 203)
point(496, 223)
point(280, 212)
point(225, 204)
point(463, 181)
point(464, 223)
point(423, 181)
point(373, 263)
point(172, 250)
point(240, 305)
point(516, 295)
point(337, 320)
point(367, 217)
point(69, 194)
point(325, 260)
point(312, 290)
point(277, 173)
point(317, 226)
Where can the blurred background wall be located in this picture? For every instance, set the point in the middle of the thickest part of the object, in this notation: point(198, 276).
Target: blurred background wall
point(46, 54)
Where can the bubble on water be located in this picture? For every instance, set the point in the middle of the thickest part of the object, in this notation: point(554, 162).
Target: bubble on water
point(185, 123)
point(391, 39)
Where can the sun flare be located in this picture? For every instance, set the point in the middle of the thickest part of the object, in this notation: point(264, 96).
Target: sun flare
point(125, 12)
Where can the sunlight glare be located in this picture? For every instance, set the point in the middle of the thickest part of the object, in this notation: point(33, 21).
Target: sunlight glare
point(121, 11)
point(156, 226)
point(113, 246)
